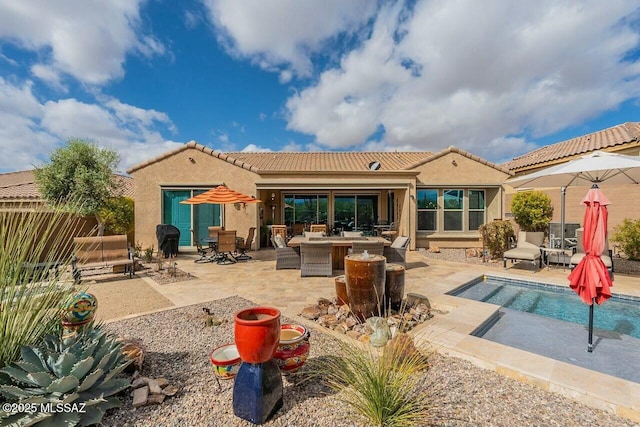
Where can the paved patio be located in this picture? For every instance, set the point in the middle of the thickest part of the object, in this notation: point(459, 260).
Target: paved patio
point(258, 281)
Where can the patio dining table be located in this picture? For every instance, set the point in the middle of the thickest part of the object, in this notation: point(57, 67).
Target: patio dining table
point(339, 246)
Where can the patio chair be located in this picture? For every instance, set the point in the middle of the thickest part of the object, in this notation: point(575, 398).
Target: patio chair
point(279, 230)
point(397, 252)
point(351, 234)
point(527, 249)
point(243, 246)
point(297, 229)
point(286, 257)
point(578, 253)
point(391, 233)
point(372, 248)
point(315, 259)
point(206, 253)
point(318, 227)
point(226, 246)
point(315, 234)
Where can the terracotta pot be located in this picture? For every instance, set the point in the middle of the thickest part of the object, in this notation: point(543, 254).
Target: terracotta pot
point(257, 333)
point(365, 275)
point(293, 348)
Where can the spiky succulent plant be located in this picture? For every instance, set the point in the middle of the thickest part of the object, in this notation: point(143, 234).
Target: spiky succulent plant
point(77, 372)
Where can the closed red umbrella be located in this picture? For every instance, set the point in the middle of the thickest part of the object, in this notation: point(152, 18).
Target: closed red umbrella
point(590, 279)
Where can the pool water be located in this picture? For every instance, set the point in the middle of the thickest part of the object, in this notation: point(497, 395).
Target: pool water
point(618, 314)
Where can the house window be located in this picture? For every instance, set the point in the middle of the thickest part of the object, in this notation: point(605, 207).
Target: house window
point(305, 209)
point(453, 207)
point(427, 210)
point(476, 209)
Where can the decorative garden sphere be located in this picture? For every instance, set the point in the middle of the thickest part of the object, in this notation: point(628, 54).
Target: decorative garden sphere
point(79, 310)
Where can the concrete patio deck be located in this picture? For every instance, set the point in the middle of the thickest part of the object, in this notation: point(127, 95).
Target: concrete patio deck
point(258, 281)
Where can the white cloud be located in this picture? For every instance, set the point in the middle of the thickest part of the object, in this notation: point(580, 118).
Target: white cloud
point(474, 74)
point(31, 130)
point(85, 39)
point(284, 32)
point(255, 148)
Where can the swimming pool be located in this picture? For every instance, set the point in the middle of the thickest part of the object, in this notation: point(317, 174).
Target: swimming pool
point(620, 314)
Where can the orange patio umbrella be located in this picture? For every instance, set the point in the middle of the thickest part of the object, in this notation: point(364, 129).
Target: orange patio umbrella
point(220, 195)
point(590, 279)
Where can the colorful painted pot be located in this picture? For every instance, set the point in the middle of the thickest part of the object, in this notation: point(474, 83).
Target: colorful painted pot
point(257, 333)
point(225, 360)
point(79, 310)
point(293, 348)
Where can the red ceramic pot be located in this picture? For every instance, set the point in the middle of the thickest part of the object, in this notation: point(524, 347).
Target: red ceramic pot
point(257, 333)
point(293, 349)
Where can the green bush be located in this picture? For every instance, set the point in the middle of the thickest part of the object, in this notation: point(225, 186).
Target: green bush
point(532, 210)
point(78, 371)
point(627, 235)
point(118, 215)
point(495, 237)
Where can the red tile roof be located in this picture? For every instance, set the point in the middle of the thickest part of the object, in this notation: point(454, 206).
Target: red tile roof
point(22, 186)
point(604, 139)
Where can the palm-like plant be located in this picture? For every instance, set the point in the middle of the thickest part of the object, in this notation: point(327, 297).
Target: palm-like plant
point(381, 386)
point(30, 296)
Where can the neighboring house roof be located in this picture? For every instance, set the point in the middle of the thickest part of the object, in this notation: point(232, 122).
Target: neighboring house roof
point(619, 135)
point(462, 152)
point(22, 186)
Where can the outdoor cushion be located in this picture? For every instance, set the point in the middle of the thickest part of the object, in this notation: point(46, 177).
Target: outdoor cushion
point(530, 254)
point(280, 241)
point(352, 234)
point(577, 257)
point(400, 242)
point(314, 234)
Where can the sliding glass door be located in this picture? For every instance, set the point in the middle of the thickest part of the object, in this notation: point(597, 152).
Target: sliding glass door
point(188, 217)
point(355, 212)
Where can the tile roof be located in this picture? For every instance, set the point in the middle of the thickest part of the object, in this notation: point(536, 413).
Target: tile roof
point(603, 139)
point(22, 186)
point(462, 152)
point(338, 161)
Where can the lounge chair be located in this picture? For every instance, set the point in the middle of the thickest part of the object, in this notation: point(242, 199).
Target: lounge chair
point(315, 259)
point(397, 252)
point(286, 257)
point(372, 248)
point(245, 245)
point(527, 249)
point(578, 254)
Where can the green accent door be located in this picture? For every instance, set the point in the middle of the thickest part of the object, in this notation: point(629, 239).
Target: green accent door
point(178, 214)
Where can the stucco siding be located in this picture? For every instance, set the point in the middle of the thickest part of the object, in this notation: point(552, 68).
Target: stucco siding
point(179, 170)
point(466, 171)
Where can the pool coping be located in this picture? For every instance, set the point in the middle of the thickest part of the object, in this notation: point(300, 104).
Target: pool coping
point(451, 333)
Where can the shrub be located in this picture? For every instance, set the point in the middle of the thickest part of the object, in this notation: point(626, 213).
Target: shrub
point(495, 237)
point(29, 297)
point(381, 387)
point(532, 210)
point(627, 234)
point(78, 370)
point(118, 215)
point(148, 254)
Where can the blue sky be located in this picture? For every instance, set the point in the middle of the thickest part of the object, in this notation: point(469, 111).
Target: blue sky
point(495, 78)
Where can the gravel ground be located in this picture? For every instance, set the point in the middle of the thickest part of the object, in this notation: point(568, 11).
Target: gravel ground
point(178, 345)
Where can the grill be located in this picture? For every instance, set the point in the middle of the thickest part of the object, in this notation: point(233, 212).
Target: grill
point(168, 236)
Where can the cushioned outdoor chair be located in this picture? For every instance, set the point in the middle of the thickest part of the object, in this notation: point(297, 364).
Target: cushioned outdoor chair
point(391, 232)
point(315, 259)
point(372, 248)
point(243, 246)
point(578, 254)
point(527, 249)
point(297, 229)
point(286, 257)
point(397, 252)
point(318, 227)
point(351, 234)
point(279, 230)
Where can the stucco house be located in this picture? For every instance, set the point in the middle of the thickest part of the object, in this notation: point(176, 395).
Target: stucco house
point(435, 198)
point(625, 199)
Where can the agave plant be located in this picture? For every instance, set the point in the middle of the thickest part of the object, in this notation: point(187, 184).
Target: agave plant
point(77, 371)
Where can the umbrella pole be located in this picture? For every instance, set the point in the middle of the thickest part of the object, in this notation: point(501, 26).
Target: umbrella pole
point(563, 192)
point(590, 345)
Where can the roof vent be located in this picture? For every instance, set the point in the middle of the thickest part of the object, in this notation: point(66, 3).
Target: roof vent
point(374, 166)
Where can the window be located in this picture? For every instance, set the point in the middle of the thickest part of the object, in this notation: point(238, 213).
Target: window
point(453, 206)
point(305, 209)
point(427, 210)
point(189, 217)
point(476, 209)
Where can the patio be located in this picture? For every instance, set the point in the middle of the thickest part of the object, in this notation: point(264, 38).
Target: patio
point(258, 281)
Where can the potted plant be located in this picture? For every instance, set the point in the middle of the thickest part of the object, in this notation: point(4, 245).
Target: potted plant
point(532, 211)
